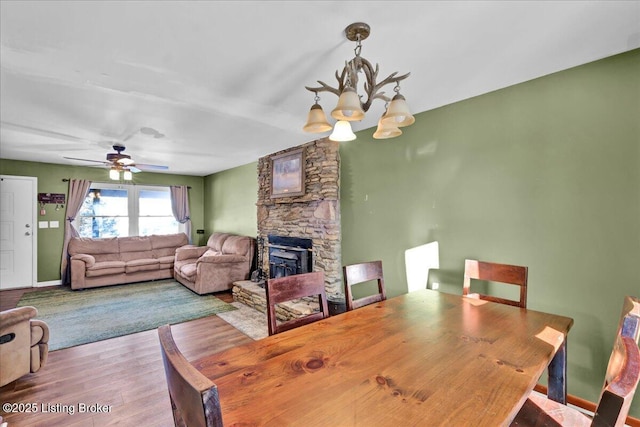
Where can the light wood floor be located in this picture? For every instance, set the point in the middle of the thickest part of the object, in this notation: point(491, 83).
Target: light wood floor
point(125, 373)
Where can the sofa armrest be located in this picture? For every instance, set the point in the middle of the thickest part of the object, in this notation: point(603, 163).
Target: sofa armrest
point(190, 252)
point(78, 272)
point(220, 259)
point(14, 316)
point(39, 332)
point(89, 260)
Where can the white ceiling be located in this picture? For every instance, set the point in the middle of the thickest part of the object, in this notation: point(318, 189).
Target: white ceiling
point(224, 81)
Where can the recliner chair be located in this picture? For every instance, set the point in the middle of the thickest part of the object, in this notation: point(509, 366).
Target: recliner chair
point(23, 343)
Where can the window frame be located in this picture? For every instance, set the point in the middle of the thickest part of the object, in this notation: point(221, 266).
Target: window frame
point(133, 203)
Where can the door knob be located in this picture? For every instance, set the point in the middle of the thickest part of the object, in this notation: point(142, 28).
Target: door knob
point(27, 225)
point(27, 234)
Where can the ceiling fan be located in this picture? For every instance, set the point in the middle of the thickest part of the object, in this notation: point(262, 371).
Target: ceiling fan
point(120, 161)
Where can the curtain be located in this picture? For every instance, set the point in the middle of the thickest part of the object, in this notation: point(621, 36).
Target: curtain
point(78, 190)
point(180, 207)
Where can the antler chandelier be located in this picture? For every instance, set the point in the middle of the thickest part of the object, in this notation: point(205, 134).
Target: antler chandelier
point(352, 106)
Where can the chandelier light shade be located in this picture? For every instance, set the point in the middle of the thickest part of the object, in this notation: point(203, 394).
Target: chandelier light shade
point(398, 112)
point(386, 129)
point(352, 105)
point(317, 120)
point(348, 107)
point(342, 132)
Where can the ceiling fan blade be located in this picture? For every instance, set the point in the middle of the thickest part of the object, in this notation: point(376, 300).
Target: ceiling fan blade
point(152, 167)
point(88, 160)
point(134, 169)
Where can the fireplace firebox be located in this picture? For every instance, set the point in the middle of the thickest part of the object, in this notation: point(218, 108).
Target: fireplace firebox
point(289, 256)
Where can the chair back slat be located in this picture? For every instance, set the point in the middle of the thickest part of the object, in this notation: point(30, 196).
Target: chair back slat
point(194, 398)
point(288, 288)
point(360, 273)
point(495, 272)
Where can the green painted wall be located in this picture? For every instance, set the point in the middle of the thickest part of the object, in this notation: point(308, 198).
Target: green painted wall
point(230, 201)
point(544, 174)
point(50, 240)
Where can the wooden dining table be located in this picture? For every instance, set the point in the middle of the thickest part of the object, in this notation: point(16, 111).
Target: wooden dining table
point(424, 358)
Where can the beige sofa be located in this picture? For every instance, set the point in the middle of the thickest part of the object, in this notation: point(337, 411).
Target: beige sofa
point(118, 260)
point(24, 343)
point(226, 258)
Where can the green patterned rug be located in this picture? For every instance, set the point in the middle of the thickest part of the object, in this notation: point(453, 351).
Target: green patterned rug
point(81, 317)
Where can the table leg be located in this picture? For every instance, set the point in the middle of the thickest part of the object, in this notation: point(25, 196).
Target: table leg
point(557, 389)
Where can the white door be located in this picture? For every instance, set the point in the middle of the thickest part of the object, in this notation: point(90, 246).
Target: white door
point(17, 231)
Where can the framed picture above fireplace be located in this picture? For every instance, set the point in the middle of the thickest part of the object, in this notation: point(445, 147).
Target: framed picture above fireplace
point(287, 174)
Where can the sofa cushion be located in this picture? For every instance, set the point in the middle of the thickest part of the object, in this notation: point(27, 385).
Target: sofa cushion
point(166, 245)
point(166, 261)
point(168, 241)
point(105, 268)
point(145, 264)
point(177, 266)
point(190, 252)
point(106, 249)
point(85, 245)
point(189, 271)
point(216, 241)
point(236, 245)
point(135, 247)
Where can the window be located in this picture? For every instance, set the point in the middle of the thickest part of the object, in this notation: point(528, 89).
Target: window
point(117, 210)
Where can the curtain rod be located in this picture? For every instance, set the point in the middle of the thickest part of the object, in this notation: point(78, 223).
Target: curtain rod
point(146, 185)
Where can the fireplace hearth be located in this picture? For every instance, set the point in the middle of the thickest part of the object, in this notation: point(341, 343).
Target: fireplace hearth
point(289, 256)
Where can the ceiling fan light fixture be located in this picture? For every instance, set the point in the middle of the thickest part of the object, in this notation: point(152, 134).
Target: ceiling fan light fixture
point(114, 174)
point(127, 175)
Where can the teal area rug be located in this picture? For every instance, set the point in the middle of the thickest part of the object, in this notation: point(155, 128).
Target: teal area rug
point(81, 317)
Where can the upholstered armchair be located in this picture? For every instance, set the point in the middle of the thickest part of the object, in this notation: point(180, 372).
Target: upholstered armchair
point(23, 343)
point(226, 258)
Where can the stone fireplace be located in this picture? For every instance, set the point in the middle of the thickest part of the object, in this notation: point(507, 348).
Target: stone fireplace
point(312, 219)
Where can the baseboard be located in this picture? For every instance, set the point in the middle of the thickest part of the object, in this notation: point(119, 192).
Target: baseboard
point(49, 283)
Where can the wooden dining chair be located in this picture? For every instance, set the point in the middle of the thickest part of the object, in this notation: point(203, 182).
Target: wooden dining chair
point(360, 273)
point(493, 272)
point(194, 398)
point(621, 382)
point(289, 288)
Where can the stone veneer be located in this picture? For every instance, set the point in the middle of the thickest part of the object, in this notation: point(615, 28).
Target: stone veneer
point(253, 294)
point(314, 215)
